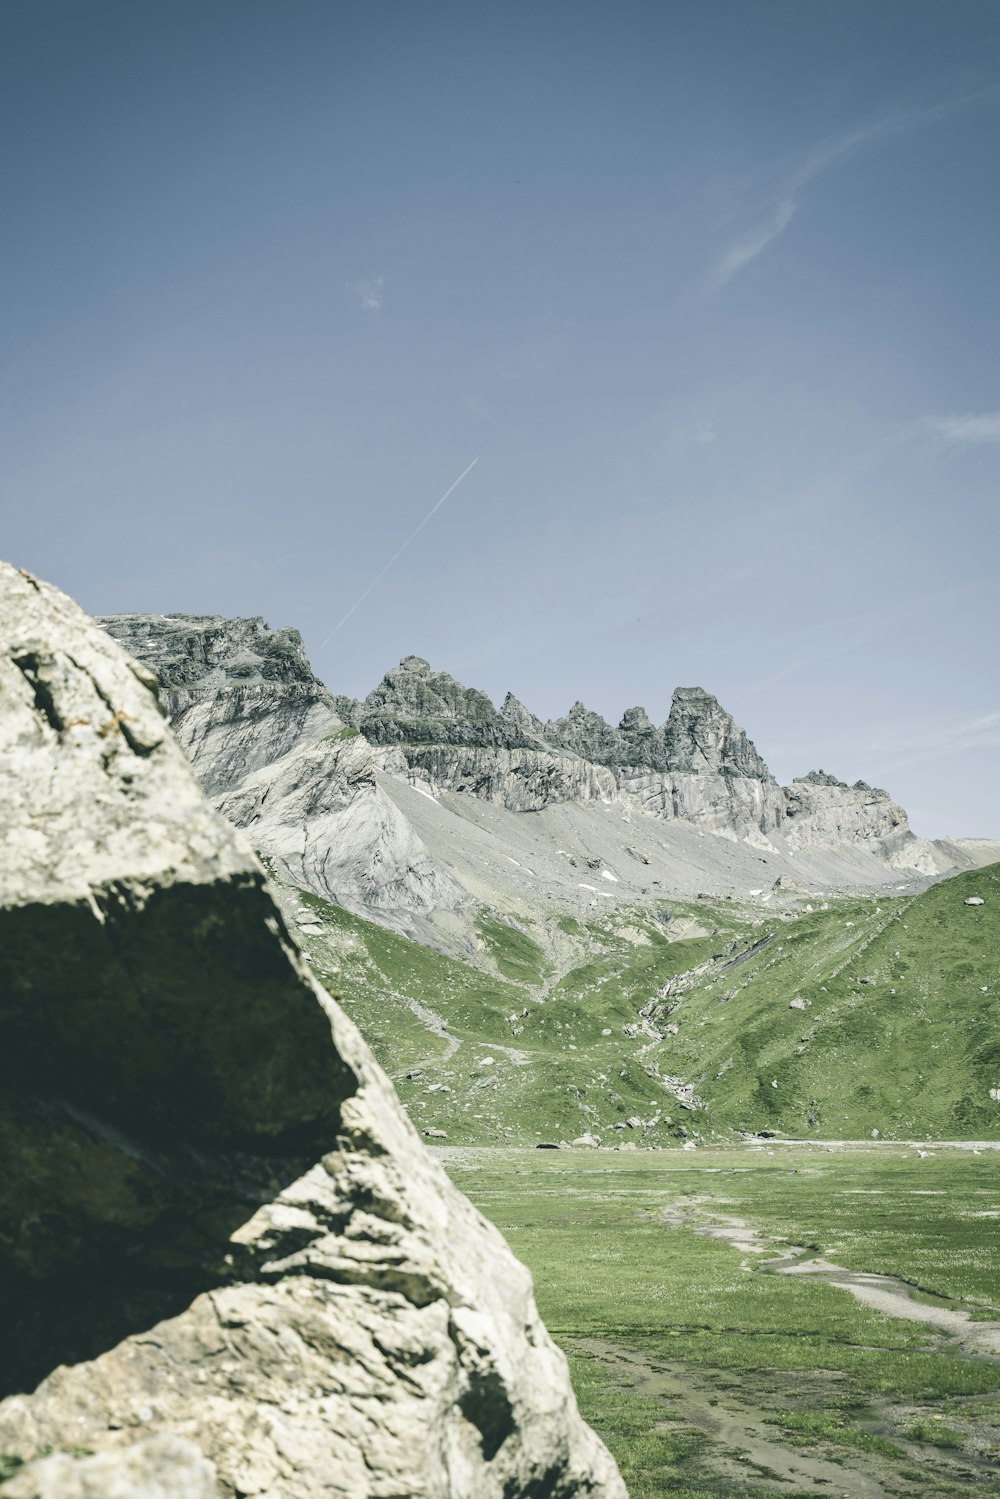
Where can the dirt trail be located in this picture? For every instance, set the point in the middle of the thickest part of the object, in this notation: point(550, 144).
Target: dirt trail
point(744, 1447)
point(883, 1293)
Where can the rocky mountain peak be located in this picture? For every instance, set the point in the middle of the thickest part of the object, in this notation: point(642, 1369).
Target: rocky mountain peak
point(523, 721)
point(584, 732)
point(207, 652)
point(414, 704)
point(701, 738)
point(636, 721)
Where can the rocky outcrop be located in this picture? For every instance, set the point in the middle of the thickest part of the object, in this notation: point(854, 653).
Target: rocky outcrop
point(585, 733)
point(413, 704)
point(824, 812)
point(221, 1242)
point(701, 738)
point(266, 741)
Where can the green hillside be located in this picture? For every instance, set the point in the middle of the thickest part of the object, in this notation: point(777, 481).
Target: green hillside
point(869, 1014)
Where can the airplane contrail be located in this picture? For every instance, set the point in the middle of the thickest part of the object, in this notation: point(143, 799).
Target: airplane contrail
point(397, 554)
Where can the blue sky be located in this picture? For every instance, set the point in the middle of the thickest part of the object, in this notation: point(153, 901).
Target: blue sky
point(709, 290)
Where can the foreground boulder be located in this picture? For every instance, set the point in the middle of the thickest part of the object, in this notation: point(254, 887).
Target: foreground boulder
point(223, 1250)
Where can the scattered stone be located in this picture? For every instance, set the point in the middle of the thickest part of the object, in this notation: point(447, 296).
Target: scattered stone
point(634, 1122)
point(798, 1003)
point(485, 1061)
point(435, 1134)
point(590, 1141)
point(973, 900)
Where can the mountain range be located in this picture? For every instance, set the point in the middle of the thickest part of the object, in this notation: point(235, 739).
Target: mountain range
point(411, 806)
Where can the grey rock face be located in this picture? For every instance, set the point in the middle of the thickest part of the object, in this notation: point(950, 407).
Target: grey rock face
point(822, 812)
point(819, 809)
point(746, 807)
point(701, 738)
point(265, 739)
point(328, 827)
point(529, 730)
point(413, 704)
point(204, 1169)
point(585, 733)
point(520, 780)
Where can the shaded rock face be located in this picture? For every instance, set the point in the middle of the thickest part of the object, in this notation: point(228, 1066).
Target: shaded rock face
point(269, 747)
point(276, 1291)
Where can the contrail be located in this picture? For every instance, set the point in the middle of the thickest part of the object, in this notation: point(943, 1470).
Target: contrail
point(396, 555)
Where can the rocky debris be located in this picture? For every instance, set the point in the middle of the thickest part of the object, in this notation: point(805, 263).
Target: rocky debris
point(265, 739)
point(798, 1003)
point(211, 1195)
point(973, 900)
point(591, 1142)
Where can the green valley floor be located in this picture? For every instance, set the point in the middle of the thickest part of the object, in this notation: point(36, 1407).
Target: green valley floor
point(769, 1319)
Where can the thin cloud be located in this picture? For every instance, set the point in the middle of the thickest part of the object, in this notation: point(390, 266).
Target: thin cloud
point(965, 431)
point(750, 246)
point(777, 204)
point(940, 741)
point(370, 293)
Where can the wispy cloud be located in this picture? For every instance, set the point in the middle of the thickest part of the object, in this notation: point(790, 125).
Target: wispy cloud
point(773, 192)
point(750, 246)
point(370, 293)
point(965, 431)
point(937, 742)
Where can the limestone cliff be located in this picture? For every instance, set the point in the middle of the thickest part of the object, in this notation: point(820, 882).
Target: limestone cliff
point(823, 812)
point(224, 1250)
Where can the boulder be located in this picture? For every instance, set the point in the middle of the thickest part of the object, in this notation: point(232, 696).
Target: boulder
point(223, 1249)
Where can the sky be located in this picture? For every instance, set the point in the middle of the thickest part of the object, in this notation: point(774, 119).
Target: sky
point(706, 290)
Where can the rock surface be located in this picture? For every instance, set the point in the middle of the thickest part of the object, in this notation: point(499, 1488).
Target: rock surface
point(269, 747)
point(240, 1233)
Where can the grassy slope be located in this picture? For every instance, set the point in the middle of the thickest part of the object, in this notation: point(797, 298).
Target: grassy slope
point(913, 1053)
